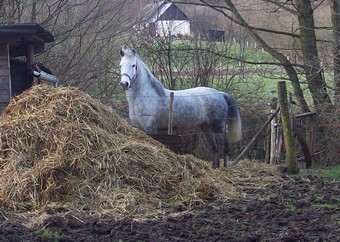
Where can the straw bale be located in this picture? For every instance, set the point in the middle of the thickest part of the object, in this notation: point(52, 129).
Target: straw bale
point(62, 146)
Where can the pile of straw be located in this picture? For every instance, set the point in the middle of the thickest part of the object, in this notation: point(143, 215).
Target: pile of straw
point(62, 146)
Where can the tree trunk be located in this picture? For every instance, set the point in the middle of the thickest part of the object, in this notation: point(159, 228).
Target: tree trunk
point(293, 77)
point(316, 83)
point(304, 145)
point(335, 12)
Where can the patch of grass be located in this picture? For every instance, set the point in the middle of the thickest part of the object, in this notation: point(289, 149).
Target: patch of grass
point(291, 208)
point(49, 235)
point(326, 206)
point(332, 172)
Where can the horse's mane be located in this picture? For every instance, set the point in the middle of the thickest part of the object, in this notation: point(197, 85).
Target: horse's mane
point(156, 84)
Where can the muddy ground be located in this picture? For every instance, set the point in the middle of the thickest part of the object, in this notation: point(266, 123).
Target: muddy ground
point(298, 209)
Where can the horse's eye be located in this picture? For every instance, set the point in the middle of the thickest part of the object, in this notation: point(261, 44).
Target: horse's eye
point(133, 66)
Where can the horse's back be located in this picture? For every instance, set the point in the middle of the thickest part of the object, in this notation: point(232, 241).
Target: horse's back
point(196, 106)
point(196, 91)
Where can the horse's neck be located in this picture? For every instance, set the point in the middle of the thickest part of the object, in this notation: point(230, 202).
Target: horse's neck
point(146, 84)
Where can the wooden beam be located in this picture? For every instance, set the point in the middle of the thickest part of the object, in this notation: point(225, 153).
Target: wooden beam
point(4, 72)
point(5, 76)
point(29, 63)
point(274, 156)
point(256, 136)
point(11, 39)
point(303, 115)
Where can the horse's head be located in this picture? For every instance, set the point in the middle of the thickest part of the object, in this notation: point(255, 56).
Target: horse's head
point(128, 67)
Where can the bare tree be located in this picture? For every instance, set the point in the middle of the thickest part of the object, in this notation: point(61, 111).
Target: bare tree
point(335, 11)
point(303, 34)
point(313, 72)
point(229, 10)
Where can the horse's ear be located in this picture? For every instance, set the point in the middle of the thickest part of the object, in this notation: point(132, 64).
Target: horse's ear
point(122, 51)
point(134, 51)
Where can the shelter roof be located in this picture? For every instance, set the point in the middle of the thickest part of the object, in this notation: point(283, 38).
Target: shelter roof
point(19, 36)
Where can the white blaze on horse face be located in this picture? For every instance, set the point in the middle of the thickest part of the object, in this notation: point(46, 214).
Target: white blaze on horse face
point(128, 71)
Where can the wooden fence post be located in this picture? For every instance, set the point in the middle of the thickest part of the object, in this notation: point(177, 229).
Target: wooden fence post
point(171, 119)
point(273, 136)
point(287, 129)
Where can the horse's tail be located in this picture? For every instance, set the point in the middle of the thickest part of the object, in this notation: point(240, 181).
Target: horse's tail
point(234, 120)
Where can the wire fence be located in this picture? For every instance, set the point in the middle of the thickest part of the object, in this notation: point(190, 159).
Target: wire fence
point(253, 116)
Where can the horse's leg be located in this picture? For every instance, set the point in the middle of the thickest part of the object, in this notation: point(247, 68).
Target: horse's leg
point(214, 145)
point(225, 150)
point(223, 145)
point(220, 131)
point(211, 138)
point(150, 127)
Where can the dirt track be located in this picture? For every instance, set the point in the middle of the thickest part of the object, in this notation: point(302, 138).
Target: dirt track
point(298, 209)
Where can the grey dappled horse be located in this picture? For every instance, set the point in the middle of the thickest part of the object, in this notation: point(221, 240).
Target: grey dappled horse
point(215, 113)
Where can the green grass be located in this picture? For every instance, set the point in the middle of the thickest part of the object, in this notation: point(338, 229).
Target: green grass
point(187, 52)
point(326, 206)
point(49, 235)
point(184, 58)
point(331, 172)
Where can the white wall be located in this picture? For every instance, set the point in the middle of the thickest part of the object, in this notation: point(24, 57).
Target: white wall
point(173, 27)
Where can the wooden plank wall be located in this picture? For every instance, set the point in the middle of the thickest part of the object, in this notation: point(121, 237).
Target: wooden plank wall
point(5, 76)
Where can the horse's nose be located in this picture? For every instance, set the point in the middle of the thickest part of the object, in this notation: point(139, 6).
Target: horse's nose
point(124, 85)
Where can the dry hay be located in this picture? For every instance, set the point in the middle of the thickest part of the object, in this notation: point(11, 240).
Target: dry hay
point(62, 146)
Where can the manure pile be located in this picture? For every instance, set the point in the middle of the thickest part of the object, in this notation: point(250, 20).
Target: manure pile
point(62, 146)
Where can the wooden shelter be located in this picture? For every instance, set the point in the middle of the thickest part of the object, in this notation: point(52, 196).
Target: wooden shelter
point(19, 40)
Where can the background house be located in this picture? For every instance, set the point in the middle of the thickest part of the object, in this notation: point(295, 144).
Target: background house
point(163, 18)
